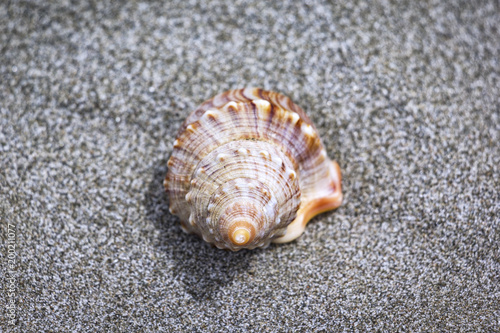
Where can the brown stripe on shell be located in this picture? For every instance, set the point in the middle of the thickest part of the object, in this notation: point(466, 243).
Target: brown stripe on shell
point(245, 95)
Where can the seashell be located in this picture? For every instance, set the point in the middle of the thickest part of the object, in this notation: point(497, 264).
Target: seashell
point(248, 168)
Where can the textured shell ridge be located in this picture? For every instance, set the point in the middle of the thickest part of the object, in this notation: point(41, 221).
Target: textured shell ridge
point(247, 168)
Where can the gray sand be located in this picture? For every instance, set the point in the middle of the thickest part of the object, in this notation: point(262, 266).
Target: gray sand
point(405, 95)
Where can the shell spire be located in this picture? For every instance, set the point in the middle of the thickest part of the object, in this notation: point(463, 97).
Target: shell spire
point(247, 168)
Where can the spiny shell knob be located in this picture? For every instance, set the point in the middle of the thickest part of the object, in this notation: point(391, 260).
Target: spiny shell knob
point(247, 168)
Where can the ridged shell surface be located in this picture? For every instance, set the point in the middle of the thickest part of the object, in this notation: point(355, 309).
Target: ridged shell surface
point(247, 168)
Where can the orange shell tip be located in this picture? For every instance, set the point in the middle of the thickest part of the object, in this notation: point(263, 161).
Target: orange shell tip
point(241, 232)
point(240, 236)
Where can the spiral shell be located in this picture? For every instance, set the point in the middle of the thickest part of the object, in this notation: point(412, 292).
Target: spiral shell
point(247, 168)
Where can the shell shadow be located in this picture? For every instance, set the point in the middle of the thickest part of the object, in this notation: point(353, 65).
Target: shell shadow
point(200, 268)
